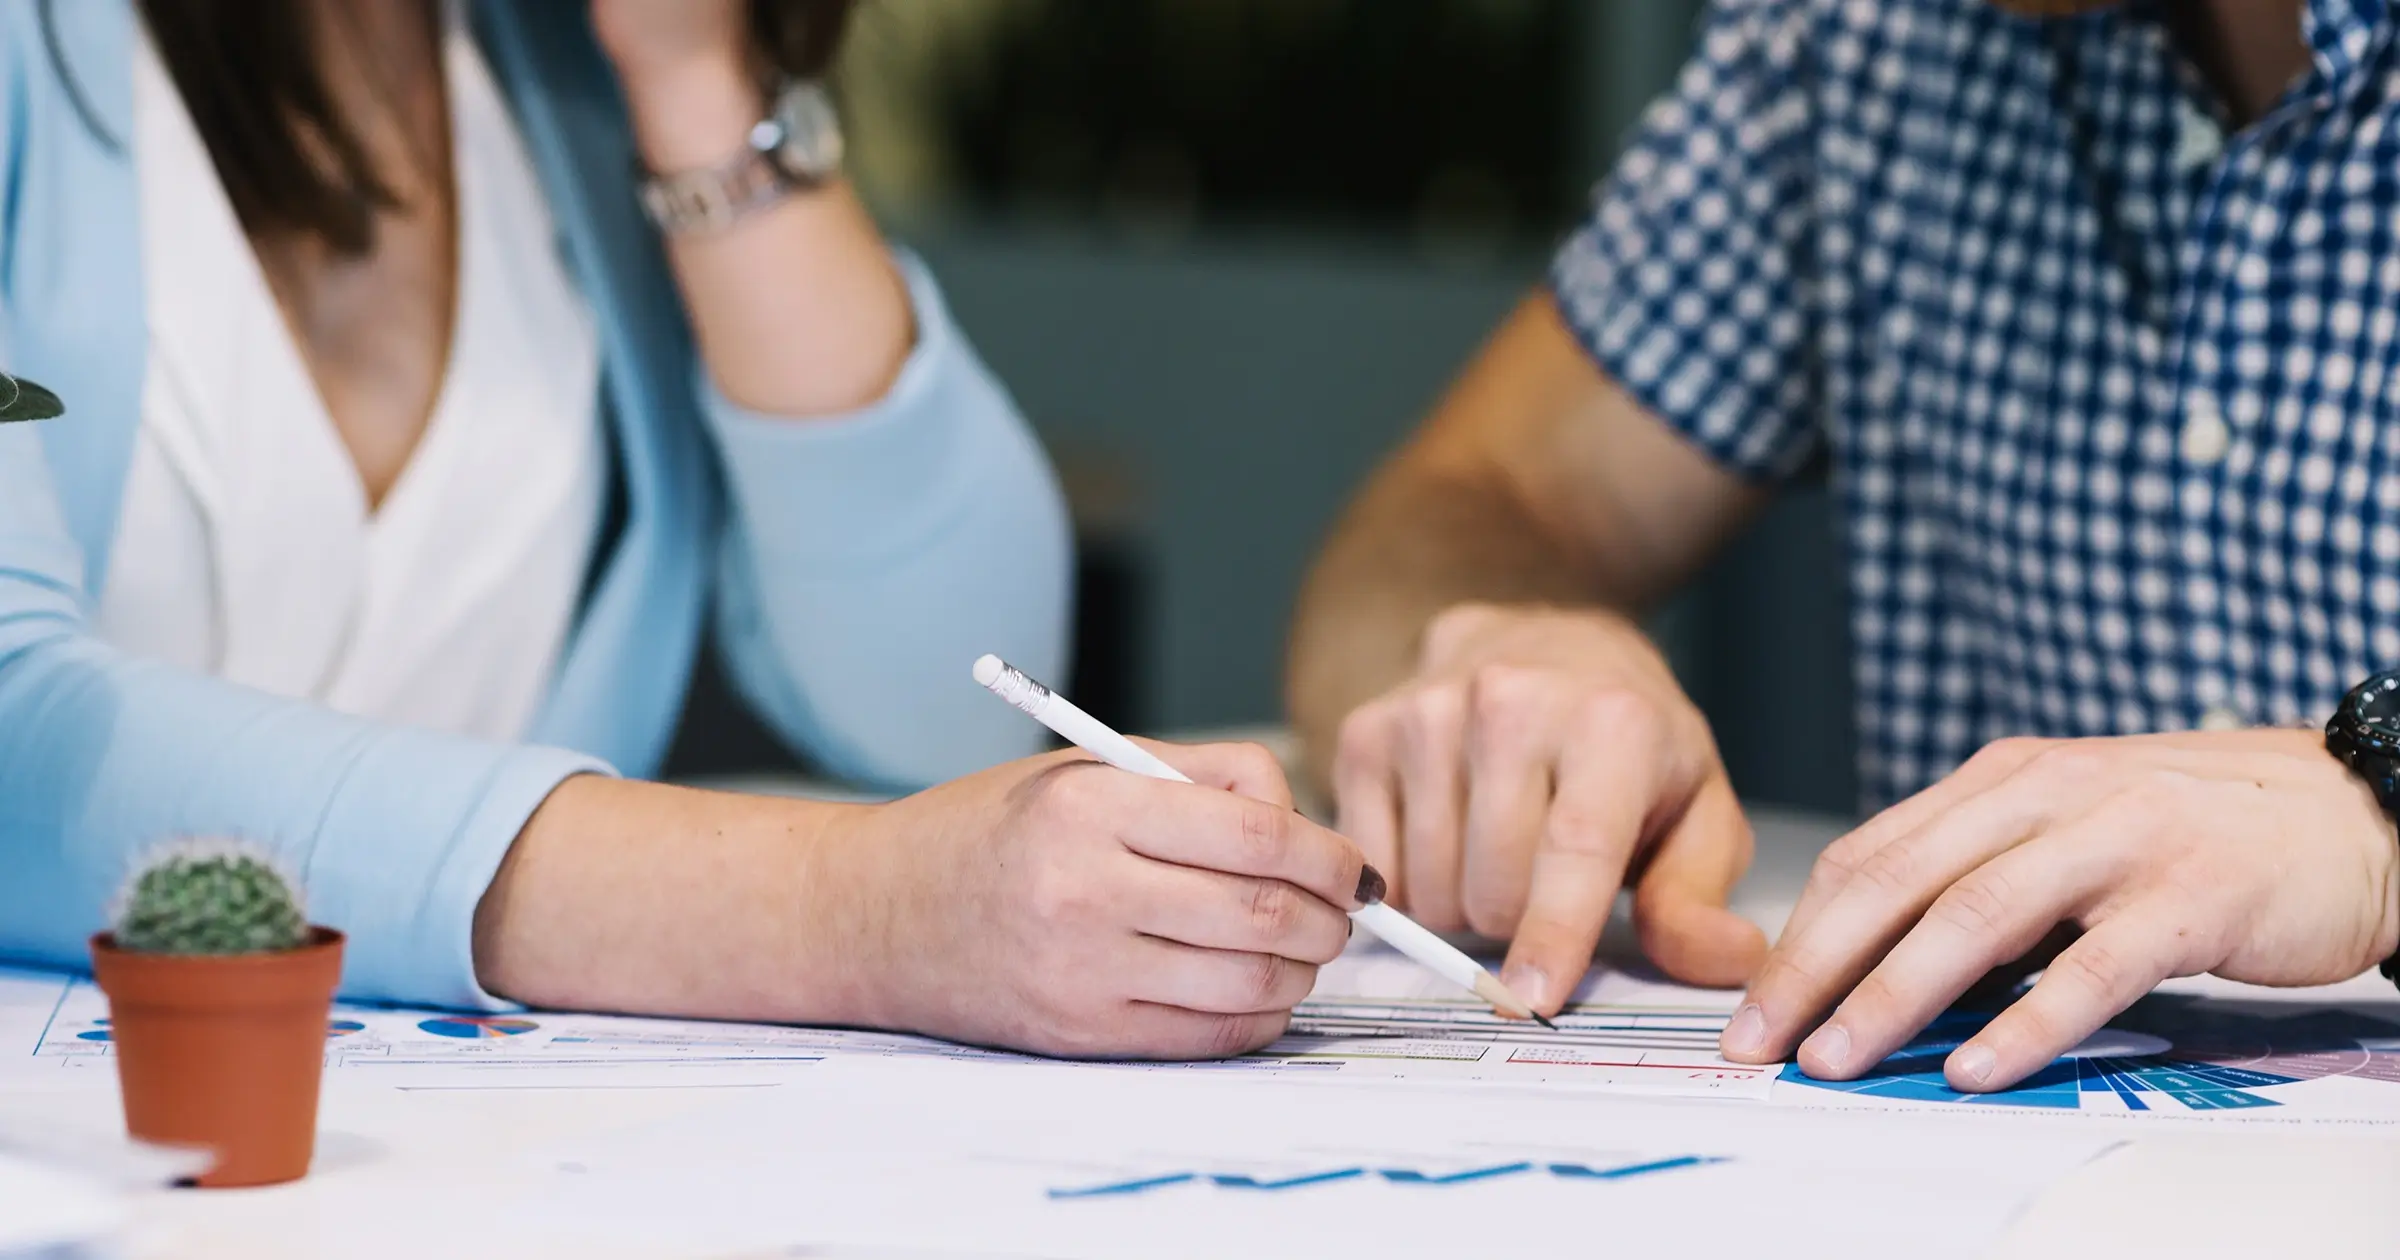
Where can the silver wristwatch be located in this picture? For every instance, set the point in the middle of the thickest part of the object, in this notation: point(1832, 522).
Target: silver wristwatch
point(797, 146)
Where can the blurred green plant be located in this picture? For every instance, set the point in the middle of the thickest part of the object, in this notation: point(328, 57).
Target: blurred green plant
point(209, 897)
point(21, 399)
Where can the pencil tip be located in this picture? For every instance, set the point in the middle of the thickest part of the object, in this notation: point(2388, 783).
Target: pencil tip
point(1543, 1020)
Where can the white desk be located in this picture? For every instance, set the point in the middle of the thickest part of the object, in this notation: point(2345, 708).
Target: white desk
point(423, 1156)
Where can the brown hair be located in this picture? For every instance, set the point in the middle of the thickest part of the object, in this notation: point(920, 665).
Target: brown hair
point(249, 74)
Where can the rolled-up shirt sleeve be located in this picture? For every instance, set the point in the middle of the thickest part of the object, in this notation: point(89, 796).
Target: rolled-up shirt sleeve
point(871, 557)
point(1692, 282)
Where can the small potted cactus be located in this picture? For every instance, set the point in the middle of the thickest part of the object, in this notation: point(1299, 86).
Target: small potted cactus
point(21, 399)
point(218, 991)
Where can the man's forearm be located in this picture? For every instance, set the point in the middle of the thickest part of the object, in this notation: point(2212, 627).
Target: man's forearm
point(1417, 542)
point(657, 900)
point(1536, 481)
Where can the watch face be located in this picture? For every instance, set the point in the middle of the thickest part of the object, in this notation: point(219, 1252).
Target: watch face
point(811, 148)
point(2376, 706)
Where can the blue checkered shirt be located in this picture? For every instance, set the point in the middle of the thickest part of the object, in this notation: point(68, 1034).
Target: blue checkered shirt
point(2112, 394)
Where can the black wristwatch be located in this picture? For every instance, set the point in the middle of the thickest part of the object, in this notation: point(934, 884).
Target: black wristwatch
point(2364, 732)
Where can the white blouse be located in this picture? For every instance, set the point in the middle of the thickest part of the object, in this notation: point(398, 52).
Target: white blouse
point(246, 548)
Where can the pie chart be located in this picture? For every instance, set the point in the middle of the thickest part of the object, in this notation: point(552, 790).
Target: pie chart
point(469, 1027)
point(2168, 1053)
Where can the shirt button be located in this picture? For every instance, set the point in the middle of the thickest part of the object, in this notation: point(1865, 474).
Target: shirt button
point(2205, 436)
point(2222, 720)
point(2198, 140)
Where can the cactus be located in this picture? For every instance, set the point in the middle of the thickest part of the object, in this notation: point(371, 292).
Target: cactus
point(21, 399)
point(209, 897)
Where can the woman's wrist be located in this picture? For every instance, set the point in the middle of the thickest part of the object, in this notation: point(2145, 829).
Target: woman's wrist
point(659, 900)
point(692, 114)
point(799, 311)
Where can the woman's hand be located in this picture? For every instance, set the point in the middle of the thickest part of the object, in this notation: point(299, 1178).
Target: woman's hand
point(2254, 855)
point(685, 66)
point(658, 40)
point(1062, 906)
point(798, 309)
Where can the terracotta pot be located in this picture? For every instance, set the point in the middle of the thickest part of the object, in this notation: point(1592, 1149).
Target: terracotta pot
point(223, 1052)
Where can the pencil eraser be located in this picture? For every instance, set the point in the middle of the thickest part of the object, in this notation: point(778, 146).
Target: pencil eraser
point(987, 669)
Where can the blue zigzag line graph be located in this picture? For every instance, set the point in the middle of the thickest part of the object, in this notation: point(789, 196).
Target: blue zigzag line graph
point(1396, 1176)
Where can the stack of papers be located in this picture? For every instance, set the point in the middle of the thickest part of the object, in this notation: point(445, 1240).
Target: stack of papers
point(1395, 1118)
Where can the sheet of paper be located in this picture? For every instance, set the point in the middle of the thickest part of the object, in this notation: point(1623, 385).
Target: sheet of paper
point(1376, 1017)
point(2203, 1049)
point(2211, 1051)
point(1374, 1014)
point(1063, 1162)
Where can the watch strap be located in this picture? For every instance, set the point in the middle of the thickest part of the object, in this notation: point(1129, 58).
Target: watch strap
point(797, 146)
point(2372, 758)
point(715, 198)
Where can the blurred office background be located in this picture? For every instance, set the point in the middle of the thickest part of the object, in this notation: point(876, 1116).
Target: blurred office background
point(1227, 253)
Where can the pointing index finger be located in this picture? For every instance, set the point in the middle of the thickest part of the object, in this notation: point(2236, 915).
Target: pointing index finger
point(1605, 791)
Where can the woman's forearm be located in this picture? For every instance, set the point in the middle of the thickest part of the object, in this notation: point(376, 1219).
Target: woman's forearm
point(660, 900)
point(798, 309)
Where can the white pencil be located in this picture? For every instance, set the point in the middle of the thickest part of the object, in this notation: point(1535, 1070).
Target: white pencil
point(1095, 737)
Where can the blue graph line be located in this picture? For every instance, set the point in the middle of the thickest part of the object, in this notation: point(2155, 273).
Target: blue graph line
point(1395, 1176)
point(1411, 1177)
point(1634, 1170)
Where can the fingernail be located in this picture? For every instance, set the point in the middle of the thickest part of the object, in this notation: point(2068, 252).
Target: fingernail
point(1528, 982)
point(1974, 1061)
point(1830, 1046)
point(1747, 1034)
point(1370, 885)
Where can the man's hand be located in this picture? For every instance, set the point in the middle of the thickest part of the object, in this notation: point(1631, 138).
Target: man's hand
point(2254, 855)
point(1536, 758)
point(1061, 906)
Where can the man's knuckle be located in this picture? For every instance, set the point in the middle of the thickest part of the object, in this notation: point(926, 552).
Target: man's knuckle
point(1493, 911)
point(1799, 970)
point(1452, 627)
point(2072, 761)
point(1843, 857)
point(2008, 752)
point(1502, 695)
point(1874, 996)
point(1436, 709)
point(1618, 713)
point(2093, 967)
point(1363, 739)
point(2035, 1025)
point(1893, 870)
point(2152, 797)
point(1977, 906)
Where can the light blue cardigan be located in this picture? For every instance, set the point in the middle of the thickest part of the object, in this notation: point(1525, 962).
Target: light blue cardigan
point(858, 564)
